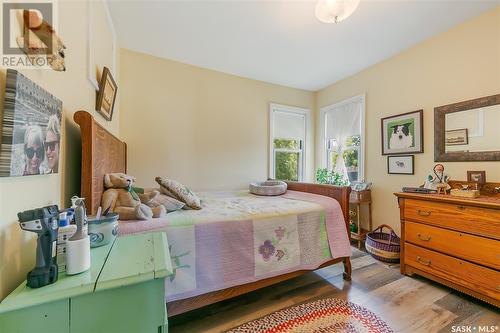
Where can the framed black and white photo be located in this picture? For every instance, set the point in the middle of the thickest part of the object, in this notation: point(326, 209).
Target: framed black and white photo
point(456, 137)
point(403, 133)
point(31, 128)
point(400, 165)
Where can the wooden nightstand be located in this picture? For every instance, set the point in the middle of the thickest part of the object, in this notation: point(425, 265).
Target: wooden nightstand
point(359, 198)
point(124, 291)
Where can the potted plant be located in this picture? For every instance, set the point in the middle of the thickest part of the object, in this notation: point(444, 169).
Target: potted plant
point(324, 176)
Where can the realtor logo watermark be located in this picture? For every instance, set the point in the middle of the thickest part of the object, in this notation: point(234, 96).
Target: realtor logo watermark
point(28, 37)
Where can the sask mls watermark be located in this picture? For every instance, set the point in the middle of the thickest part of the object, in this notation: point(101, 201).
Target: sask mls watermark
point(29, 39)
point(474, 328)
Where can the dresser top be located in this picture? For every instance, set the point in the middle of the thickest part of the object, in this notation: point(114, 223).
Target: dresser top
point(128, 260)
point(481, 201)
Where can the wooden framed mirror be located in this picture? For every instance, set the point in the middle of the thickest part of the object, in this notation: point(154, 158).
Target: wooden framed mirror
point(468, 131)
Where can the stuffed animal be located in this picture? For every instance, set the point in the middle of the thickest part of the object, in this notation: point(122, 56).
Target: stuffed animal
point(120, 197)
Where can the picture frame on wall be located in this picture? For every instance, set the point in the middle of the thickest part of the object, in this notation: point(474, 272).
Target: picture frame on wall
point(476, 177)
point(403, 133)
point(106, 96)
point(457, 137)
point(401, 165)
point(31, 128)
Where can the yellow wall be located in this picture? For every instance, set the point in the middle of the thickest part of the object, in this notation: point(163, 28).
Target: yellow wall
point(17, 248)
point(460, 64)
point(207, 129)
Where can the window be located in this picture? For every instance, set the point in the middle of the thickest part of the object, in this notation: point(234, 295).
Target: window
point(350, 155)
point(288, 142)
point(343, 138)
point(287, 159)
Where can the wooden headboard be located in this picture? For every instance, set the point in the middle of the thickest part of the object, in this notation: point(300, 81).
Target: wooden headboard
point(102, 153)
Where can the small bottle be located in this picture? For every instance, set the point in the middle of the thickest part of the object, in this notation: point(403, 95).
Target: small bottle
point(70, 215)
point(65, 231)
point(63, 219)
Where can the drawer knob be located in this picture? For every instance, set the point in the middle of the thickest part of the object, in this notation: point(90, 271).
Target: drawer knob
point(424, 238)
point(423, 212)
point(423, 262)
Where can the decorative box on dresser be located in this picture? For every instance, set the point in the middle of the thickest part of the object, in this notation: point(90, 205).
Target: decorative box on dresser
point(454, 241)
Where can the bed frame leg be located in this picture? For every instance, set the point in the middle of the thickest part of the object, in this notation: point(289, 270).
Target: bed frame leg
point(347, 269)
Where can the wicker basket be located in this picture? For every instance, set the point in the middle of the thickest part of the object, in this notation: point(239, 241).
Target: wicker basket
point(269, 188)
point(383, 246)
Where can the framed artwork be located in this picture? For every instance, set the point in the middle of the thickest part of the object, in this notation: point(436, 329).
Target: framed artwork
point(457, 137)
point(107, 95)
point(31, 130)
point(403, 133)
point(476, 177)
point(401, 165)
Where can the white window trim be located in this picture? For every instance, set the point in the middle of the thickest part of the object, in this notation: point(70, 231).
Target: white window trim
point(273, 107)
point(322, 132)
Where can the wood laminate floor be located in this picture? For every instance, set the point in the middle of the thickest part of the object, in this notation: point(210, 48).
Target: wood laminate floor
point(407, 304)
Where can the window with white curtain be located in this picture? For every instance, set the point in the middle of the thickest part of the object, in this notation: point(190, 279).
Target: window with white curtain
point(342, 136)
point(287, 142)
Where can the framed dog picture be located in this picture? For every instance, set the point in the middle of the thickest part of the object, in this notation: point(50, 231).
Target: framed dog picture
point(107, 94)
point(400, 165)
point(403, 133)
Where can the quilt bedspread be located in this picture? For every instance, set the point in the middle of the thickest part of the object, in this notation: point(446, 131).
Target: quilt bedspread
point(238, 238)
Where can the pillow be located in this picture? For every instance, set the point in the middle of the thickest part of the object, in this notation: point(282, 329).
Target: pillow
point(170, 204)
point(165, 191)
point(179, 192)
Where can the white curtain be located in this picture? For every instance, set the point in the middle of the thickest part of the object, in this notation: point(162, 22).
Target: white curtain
point(342, 122)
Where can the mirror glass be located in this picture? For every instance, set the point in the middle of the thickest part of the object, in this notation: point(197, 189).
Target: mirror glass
point(475, 130)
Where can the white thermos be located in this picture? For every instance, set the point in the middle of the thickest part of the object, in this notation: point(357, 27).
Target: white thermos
point(78, 246)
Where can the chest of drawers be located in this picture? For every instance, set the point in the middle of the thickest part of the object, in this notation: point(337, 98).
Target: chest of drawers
point(453, 241)
point(122, 292)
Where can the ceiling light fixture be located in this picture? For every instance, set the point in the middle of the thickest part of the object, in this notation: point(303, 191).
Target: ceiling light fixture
point(335, 11)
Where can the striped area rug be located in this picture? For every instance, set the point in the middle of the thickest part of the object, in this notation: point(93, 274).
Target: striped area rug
point(326, 316)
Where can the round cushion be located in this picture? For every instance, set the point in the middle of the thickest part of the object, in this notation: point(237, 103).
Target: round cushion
point(269, 187)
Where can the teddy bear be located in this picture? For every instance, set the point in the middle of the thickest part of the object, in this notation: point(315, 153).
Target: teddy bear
point(120, 198)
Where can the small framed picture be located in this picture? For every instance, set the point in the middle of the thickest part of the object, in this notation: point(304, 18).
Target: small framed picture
point(476, 177)
point(107, 94)
point(403, 133)
point(457, 137)
point(400, 165)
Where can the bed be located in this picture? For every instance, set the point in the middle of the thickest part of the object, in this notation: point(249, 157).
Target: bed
point(317, 213)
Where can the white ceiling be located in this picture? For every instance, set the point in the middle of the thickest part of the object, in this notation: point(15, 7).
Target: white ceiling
point(281, 41)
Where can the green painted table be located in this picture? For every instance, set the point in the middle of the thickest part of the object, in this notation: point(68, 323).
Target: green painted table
point(123, 291)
